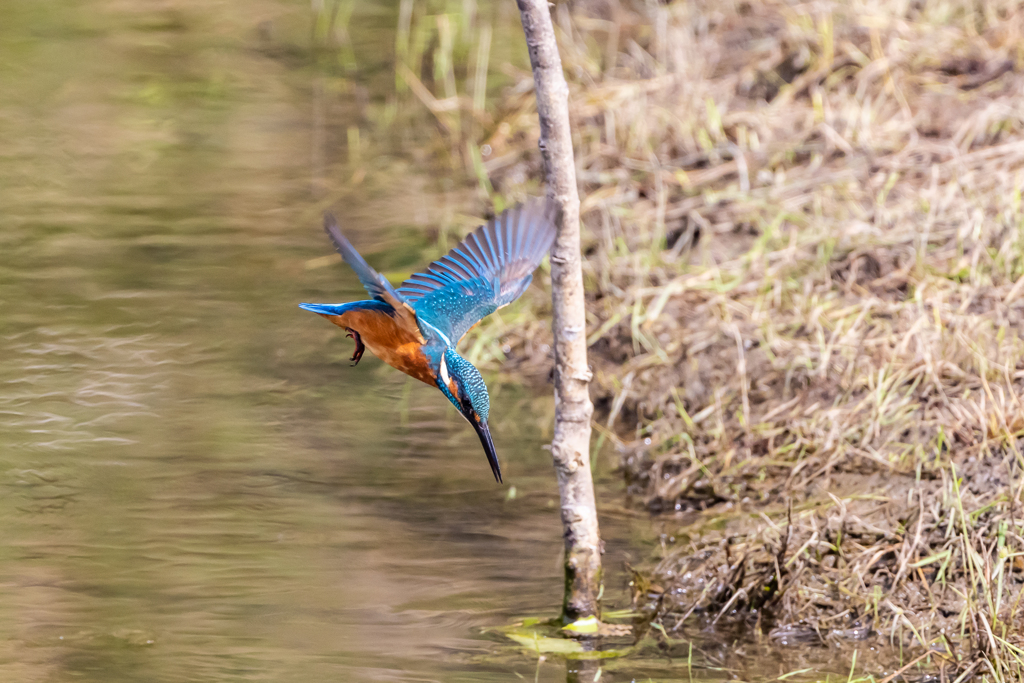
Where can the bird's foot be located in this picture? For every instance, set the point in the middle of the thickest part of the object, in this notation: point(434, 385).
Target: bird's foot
point(360, 347)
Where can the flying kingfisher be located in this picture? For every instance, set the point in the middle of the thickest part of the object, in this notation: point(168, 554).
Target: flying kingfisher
point(416, 327)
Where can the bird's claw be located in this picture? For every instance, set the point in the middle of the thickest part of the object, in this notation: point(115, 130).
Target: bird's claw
point(360, 347)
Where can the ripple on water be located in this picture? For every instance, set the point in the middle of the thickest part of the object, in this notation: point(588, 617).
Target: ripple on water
point(62, 388)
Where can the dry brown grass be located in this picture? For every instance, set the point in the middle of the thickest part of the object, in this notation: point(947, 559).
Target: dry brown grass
point(806, 266)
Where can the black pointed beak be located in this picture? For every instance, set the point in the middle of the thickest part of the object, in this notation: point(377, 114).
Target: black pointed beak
point(485, 438)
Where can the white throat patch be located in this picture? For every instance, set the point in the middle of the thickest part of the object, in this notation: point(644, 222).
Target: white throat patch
point(444, 372)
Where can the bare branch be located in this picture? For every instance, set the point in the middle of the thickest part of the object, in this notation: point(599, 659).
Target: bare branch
point(570, 447)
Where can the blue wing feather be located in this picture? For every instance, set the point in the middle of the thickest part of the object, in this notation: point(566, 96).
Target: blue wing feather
point(489, 269)
point(375, 283)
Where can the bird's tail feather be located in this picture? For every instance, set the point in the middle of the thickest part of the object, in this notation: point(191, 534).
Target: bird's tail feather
point(328, 309)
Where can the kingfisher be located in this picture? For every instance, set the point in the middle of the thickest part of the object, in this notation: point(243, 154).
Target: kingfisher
point(416, 327)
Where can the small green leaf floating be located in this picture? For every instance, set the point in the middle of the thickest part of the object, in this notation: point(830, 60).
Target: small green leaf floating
point(545, 645)
point(527, 635)
point(586, 625)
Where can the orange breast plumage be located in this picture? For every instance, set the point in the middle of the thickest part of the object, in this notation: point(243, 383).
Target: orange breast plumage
point(388, 341)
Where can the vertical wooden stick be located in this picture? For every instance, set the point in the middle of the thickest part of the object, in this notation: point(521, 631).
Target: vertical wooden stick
point(570, 447)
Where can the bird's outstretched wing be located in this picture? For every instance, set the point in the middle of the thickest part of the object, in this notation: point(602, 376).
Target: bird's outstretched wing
point(489, 269)
point(375, 283)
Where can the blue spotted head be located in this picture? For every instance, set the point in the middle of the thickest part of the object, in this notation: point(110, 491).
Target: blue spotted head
point(462, 384)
